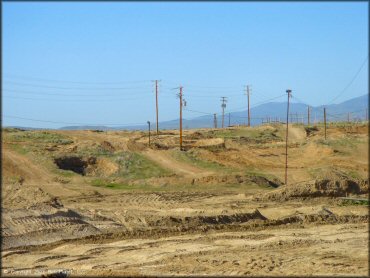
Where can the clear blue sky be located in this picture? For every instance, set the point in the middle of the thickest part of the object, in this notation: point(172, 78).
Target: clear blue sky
point(93, 62)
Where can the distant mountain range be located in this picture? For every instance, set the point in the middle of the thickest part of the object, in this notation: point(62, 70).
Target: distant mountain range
point(272, 111)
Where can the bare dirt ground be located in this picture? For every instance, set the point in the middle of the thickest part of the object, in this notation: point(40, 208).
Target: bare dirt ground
point(105, 203)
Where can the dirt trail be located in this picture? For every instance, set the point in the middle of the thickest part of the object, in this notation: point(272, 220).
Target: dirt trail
point(166, 161)
point(271, 252)
point(195, 220)
point(296, 134)
point(20, 165)
point(26, 182)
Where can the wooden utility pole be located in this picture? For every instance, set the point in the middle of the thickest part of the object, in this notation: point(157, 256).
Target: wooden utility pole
point(180, 96)
point(325, 122)
point(156, 103)
point(223, 105)
point(249, 112)
point(286, 138)
point(308, 115)
point(366, 115)
point(348, 117)
point(215, 120)
point(149, 131)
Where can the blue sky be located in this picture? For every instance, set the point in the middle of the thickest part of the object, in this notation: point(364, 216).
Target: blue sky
point(93, 62)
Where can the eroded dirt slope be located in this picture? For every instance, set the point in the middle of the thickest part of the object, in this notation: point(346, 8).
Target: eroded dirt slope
point(117, 206)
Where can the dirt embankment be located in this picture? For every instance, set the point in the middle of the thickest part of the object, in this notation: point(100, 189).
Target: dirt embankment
point(87, 165)
point(257, 228)
point(19, 166)
point(166, 161)
point(318, 188)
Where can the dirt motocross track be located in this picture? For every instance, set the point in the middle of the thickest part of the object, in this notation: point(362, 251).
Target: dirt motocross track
point(105, 203)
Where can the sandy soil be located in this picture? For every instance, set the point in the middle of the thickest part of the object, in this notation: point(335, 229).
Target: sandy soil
point(210, 220)
point(165, 160)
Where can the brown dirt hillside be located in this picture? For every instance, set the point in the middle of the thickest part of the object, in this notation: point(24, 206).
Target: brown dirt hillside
point(85, 203)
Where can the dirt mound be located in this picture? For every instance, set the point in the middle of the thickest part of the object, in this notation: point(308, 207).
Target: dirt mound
point(198, 135)
point(324, 216)
point(194, 222)
point(25, 196)
point(20, 169)
point(297, 133)
point(311, 130)
point(102, 167)
point(318, 188)
point(23, 227)
point(164, 159)
point(237, 179)
point(133, 145)
point(210, 143)
point(159, 146)
point(313, 151)
point(107, 146)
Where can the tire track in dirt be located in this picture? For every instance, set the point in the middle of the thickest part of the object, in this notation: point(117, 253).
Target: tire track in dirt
point(18, 164)
point(166, 161)
point(296, 134)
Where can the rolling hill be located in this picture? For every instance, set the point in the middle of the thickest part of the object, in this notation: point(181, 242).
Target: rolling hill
point(275, 110)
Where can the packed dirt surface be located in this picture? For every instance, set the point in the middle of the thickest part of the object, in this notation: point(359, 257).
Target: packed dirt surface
point(166, 161)
point(106, 203)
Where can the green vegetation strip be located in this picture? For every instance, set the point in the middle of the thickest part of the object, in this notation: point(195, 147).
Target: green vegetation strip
point(39, 137)
point(135, 166)
point(232, 188)
point(191, 157)
point(351, 201)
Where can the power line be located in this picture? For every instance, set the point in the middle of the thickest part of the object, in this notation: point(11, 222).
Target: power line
point(73, 88)
point(72, 100)
point(214, 95)
point(256, 104)
point(341, 92)
point(200, 112)
point(344, 113)
point(68, 123)
point(235, 109)
point(350, 83)
point(204, 87)
point(73, 82)
point(58, 94)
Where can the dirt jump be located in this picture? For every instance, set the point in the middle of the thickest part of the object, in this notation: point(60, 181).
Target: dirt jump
point(83, 203)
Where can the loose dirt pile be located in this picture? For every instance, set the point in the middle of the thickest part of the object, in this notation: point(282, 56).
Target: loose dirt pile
point(318, 188)
point(207, 143)
point(237, 179)
point(106, 203)
point(23, 227)
point(107, 146)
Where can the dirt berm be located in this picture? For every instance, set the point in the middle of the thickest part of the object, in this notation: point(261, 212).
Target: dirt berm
point(318, 188)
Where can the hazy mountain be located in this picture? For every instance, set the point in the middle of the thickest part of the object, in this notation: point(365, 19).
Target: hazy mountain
point(86, 127)
point(26, 127)
point(273, 110)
